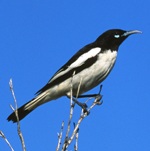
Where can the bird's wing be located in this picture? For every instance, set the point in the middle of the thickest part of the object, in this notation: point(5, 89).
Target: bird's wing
point(84, 58)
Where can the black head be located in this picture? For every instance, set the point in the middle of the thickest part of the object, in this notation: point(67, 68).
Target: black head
point(112, 39)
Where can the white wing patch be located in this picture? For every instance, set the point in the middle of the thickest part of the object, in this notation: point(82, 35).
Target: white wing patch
point(92, 53)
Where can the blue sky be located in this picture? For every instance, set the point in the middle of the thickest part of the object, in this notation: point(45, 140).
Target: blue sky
point(38, 37)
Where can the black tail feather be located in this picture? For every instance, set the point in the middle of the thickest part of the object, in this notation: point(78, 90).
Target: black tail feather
point(25, 109)
point(21, 114)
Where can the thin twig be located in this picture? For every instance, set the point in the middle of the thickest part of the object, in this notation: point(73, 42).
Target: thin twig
point(76, 139)
point(16, 113)
point(72, 104)
point(79, 86)
point(82, 116)
point(60, 136)
point(3, 136)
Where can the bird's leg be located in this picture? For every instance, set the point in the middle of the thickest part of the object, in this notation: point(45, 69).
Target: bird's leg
point(98, 96)
point(84, 106)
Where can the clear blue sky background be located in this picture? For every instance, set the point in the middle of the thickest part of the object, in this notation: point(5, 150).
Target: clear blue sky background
point(38, 37)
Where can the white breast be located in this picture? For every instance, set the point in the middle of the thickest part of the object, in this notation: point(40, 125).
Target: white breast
point(96, 73)
point(106, 61)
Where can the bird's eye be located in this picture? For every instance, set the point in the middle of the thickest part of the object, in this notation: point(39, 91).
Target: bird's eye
point(116, 36)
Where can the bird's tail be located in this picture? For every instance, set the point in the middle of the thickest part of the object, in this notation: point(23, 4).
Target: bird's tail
point(25, 109)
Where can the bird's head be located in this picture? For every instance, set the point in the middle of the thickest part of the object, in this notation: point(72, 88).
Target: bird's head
point(112, 39)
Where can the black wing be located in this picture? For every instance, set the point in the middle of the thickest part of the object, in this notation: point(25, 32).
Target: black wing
point(60, 75)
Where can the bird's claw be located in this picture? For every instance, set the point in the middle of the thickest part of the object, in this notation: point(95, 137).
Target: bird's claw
point(98, 99)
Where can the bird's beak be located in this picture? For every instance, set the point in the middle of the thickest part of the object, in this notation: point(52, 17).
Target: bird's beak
point(131, 32)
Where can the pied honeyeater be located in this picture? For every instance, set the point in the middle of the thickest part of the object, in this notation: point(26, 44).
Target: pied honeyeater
point(87, 68)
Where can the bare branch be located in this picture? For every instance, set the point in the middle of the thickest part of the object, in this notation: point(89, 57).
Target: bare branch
point(60, 136)
point(83, 115)
point(76, 139)
point(16, 113)
point(72, 104)
point(3, 136)
point(79, 86)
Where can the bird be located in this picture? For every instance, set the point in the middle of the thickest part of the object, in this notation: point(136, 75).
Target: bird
point(87, 68)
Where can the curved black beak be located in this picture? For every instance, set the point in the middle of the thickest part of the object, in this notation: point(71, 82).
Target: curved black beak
point(132, 32)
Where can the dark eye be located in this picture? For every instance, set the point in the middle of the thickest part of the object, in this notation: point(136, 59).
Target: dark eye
point(117, 36)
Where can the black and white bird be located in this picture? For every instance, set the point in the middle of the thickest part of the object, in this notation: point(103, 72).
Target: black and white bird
point(87, 68)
